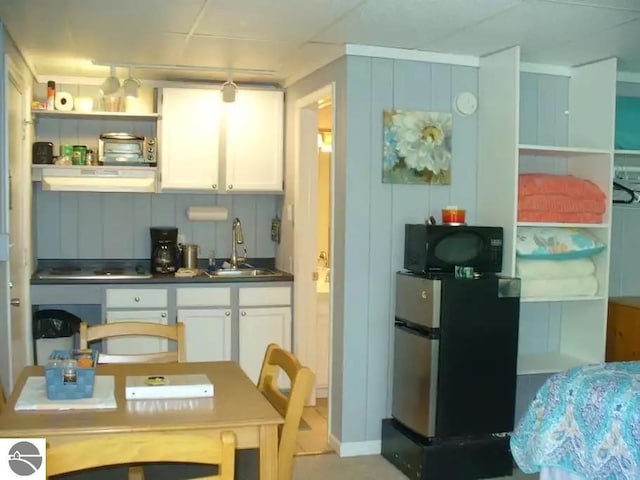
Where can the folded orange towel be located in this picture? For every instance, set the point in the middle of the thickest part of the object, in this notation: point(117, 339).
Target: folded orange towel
point(541, 183)
point(561, 203)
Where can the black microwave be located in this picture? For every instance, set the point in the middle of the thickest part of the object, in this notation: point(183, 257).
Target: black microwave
point(441, 248)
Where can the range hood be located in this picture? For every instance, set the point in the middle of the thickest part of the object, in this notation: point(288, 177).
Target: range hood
point(96, 179)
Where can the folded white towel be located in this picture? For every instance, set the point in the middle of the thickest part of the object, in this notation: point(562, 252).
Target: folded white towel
point(559, 287)
point(548, 269)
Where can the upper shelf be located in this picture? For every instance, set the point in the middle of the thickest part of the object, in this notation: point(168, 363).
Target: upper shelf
point(631, 153)
point(106, 115)
point(553, 151)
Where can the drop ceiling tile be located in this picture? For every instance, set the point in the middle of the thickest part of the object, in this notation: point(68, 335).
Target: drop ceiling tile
point(308, 58)
point(223, 53)
point(621, 41)
point(104, 45)
point(533, 26)
point(31, 30)
point(135, 15)
point(410, 23)
point(295, 20)
point(633, 5)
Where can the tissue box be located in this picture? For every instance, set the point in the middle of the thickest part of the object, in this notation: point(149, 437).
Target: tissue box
point(70, 375)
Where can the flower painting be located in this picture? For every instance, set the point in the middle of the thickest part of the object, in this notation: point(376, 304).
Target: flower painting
point(417, 147)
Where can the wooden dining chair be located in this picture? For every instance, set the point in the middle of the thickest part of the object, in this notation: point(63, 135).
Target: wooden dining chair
point(289, 406)
point(145, 447)
point(175, 332)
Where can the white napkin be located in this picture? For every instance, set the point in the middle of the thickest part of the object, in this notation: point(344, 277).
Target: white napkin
point(34, 396)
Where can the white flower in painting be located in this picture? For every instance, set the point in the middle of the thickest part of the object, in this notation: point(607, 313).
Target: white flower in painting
point(421, 139)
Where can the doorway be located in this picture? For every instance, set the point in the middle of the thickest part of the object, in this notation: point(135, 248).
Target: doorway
point(313, 244)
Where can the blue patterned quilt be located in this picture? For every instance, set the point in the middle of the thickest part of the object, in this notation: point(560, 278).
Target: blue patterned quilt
point(586, 421)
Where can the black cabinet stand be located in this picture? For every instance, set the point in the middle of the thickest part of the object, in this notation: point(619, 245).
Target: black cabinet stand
point(467, 458)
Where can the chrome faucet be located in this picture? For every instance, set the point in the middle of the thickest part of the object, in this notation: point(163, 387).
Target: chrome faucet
point(237, 239)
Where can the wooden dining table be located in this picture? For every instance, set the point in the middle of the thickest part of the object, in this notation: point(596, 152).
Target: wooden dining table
point(237, 406)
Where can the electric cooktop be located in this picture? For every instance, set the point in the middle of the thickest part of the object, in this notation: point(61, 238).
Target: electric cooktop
point(95, 272)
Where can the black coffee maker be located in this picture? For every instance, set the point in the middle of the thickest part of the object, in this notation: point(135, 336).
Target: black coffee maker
point(164, 249)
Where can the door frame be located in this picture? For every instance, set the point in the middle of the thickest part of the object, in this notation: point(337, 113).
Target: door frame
point(12, 76)
point(305, 230)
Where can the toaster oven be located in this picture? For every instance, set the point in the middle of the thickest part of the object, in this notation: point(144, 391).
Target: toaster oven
point(126, 149)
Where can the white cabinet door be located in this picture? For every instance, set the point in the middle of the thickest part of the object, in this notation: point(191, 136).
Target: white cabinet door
point(207, 334)
point(254, 142)
point(189, 139)
point(136, 343)
point(258, 328)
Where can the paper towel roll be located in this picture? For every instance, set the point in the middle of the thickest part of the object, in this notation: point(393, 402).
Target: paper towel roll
point(64, 101)
point(207, 214)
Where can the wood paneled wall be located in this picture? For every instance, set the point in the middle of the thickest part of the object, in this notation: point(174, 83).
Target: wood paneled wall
point(376, 214)
point(116, 225)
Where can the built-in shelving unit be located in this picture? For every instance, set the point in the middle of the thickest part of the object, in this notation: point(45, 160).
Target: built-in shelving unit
point(532, 364)
point(554, 151)
point(85, 128)
point(560, 126)
point(79, 115)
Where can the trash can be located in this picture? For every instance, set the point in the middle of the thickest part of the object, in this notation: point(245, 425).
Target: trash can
point(53, 330)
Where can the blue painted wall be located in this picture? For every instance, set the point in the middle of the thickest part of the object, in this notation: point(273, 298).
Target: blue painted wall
point(376, 213)
point(116, 225)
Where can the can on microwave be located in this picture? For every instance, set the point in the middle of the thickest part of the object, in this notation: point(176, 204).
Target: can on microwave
point(79, 155)
point(66, 150)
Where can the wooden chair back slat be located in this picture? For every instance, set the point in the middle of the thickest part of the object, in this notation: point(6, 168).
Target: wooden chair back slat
point(145, 447)
point(175, 332)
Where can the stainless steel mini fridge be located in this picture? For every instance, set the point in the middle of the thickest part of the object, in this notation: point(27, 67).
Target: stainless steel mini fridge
point(455, 354)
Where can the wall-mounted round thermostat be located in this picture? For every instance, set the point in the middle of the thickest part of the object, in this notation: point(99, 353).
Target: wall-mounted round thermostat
point(466, 103)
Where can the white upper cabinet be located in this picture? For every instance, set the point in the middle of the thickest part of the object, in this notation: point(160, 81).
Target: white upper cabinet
point(254, 153)
point(190, 139)
point(208, 145)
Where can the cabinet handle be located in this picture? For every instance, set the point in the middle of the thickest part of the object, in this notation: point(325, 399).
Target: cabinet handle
point(227, 313)
point(214, 186)
point(137, 299)
point(230, 187)
point(424, 294)
point(243, 313)
point(163, 315)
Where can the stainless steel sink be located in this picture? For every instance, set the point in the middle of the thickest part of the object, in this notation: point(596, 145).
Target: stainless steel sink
point(245, 272)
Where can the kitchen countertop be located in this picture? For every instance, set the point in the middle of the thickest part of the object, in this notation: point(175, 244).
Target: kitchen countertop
point(158, 278)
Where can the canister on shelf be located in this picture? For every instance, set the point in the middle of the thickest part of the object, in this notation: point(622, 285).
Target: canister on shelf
point(66, 150)
point(91, 158)
point(79, 155)
point(51, 95)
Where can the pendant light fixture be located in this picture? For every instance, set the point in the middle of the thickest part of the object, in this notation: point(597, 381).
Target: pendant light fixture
point(229, 90)
point(131, 85)
point(111, 84)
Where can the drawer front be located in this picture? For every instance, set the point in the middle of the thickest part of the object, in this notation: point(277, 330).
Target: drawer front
point(136, 298)
point(249, 297)
point(203, 297)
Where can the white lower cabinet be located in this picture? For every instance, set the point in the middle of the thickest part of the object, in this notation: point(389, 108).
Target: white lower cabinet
point(206, 314)
point(207, 334)
point(258, 328)
point(136, 343)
